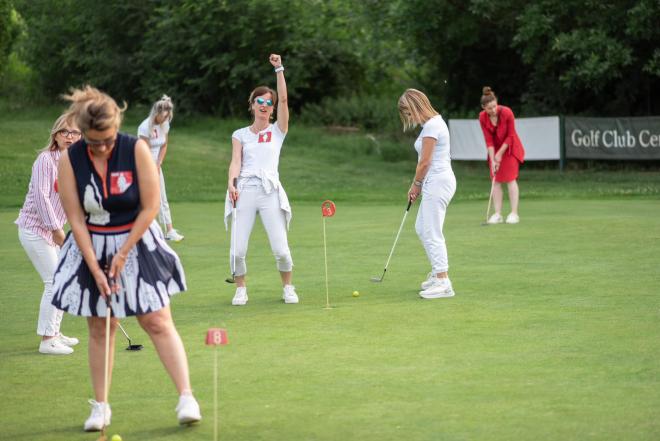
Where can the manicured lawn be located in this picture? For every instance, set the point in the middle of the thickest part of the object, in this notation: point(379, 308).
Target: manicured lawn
point(554, 333)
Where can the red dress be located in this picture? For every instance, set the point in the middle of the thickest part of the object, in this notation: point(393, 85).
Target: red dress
point(503, 133)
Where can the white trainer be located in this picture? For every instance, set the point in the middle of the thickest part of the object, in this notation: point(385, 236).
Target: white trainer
point(68, 341)
point(430, 277)
point(53, 346)
point(289, 294)
point(187, 411)
point(174, 236)
point(95, 421)
point(495, 219)
point(240, 298)
point(512, 218)
point(439, 288)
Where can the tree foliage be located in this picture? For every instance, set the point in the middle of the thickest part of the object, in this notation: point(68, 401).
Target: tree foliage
point(541, 57)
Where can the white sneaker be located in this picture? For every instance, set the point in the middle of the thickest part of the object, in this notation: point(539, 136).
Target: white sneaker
point(439, 288)
point(240, 298)
point(53, 346)
point(187, 411)
point(95, 421)
point(174, 236)
point(289, 294)
point(68, 341)
point(512, 218)
point(495, 219)
point(426, 284)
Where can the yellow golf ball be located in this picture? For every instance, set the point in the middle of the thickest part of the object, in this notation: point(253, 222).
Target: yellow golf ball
point(115, 438)
point(356, 293)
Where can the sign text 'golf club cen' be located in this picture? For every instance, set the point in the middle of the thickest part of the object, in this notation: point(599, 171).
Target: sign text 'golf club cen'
point(612, 138)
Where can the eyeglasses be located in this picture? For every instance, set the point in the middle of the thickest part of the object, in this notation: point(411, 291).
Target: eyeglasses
point(262, 101)
point(106, 142)
point(70, 133)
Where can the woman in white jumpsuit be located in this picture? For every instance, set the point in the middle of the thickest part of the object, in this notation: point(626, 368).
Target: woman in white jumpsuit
point(435, 181)
point(155, 130)
point(254, 185)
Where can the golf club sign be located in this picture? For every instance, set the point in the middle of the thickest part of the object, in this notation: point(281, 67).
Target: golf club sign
point(328, 208)
point(612, 138)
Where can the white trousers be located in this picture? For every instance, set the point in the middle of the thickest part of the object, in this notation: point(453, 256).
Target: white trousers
point(164, 215)
point(252, 200)
point(44, 258)
point(437, 192)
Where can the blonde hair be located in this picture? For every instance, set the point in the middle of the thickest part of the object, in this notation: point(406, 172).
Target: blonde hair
point(487, 95)
point(262, 90)
point(164, 104)
point(414, 109)
point(93, 109)
point(65, 119)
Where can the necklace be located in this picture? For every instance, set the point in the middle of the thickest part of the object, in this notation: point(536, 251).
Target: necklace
point(254, 129)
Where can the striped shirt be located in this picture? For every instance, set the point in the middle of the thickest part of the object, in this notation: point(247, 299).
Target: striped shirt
point(42, 210)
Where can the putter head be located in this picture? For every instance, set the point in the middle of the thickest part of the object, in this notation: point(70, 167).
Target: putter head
point(230, 279)
point(131, 347)
point(484, 224)
point(376, 279)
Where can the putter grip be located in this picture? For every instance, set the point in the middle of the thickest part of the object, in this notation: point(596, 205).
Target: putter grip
point(409, 204)
point(233, 202)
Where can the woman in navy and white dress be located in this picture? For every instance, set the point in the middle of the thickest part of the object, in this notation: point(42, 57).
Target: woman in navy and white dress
point(109, 190)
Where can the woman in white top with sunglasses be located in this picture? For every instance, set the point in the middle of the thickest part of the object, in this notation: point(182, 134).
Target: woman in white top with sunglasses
point(254, 185)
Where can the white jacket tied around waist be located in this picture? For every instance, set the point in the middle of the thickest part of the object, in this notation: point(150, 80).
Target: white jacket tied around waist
point(270, 182)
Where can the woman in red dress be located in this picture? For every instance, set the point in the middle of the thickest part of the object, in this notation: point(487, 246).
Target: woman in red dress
point(505, 153)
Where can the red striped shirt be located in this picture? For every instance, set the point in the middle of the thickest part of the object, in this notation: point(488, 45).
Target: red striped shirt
point(42, 210)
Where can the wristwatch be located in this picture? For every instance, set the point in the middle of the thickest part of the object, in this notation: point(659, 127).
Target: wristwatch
point(417, 183)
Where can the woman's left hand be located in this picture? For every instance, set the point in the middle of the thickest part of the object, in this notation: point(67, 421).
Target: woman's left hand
point(116, 267)
point(275, 60)
point(413, 193)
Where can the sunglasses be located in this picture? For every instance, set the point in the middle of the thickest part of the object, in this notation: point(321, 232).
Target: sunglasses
point(262, 101)
point(70, 133)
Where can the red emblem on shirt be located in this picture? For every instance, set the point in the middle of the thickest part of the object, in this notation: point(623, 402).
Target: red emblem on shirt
point(55, 186)
point(120, 181)
point(265, 137)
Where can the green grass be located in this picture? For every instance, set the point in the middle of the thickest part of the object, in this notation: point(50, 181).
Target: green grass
point(554, 333)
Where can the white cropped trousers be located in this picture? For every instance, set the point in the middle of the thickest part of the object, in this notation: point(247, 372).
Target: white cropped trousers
point(44, 258)
point(252, 200)
point(437, 192)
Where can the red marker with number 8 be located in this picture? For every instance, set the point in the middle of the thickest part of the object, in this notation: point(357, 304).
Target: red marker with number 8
point(216, 337)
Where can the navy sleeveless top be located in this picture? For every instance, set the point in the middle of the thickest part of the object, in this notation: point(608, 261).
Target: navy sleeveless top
point(111, 202)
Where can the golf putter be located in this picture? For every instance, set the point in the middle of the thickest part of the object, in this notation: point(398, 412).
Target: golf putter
point(490, 200)
point(106, 361)
point(377, 279)
point(232, 279)
point(130, 347)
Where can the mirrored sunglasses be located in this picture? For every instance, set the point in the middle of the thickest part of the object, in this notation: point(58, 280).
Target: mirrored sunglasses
point(262, 101)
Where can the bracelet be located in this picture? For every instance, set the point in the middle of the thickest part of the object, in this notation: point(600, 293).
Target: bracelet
point(122, 256)
point(417, 183)
point(279, 69)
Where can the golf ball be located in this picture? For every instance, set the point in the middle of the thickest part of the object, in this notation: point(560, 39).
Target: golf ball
point(356, 293)
point(115, 438)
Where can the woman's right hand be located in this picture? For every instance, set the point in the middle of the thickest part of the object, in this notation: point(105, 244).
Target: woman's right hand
point(233, 193)
point(101, 282)
point(58, 237)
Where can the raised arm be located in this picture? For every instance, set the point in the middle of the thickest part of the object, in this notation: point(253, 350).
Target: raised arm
point(282, 99)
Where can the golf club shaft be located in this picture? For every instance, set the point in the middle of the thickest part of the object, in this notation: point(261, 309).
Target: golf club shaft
point(396, 239)
point(490, 198)
point(124, 332)
point(233, 235)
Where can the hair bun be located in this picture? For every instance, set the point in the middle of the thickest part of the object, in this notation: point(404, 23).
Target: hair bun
point(487, 91)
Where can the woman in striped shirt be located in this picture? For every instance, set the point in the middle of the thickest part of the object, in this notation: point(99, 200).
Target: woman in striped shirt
point(40, 230)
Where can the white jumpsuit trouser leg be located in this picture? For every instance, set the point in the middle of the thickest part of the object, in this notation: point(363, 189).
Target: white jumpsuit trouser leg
point(253, 200)
point(44, 258)
point(164, 215)
point(437, 192)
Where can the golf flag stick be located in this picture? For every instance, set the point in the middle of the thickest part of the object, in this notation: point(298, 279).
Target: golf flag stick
point(216, 337)
point(403, 221)
point(327, 210)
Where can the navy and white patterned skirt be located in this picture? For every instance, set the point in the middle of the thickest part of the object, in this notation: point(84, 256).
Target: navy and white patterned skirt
point(152, 274)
